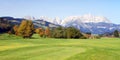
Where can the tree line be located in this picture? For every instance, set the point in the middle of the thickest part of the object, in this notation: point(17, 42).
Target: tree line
point(26, 30)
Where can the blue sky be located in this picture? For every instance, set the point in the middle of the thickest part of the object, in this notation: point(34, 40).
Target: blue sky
point(61, 8)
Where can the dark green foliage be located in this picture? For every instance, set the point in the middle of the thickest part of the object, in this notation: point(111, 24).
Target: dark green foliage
point(58, 32)
point(116, 33)
point(69, 32)
point(83, 37)
point(5, 25)
point(89, 33)
point(11, 31)
point(97, 37)
point(73, 33)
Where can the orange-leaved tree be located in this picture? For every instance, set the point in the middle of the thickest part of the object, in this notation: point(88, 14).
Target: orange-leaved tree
point(15, 28)
point(41, 32)
point(47, 32)
point(26, 29)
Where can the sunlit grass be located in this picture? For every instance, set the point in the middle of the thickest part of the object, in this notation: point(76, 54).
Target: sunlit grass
point(16, 48)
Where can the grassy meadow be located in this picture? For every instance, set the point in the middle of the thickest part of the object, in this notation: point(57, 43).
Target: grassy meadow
point(17, 48)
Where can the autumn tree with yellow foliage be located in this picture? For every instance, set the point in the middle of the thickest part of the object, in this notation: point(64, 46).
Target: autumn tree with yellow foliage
point(26, 29)
point(47, 32)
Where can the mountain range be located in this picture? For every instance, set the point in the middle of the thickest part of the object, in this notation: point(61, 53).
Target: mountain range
point(86, 23)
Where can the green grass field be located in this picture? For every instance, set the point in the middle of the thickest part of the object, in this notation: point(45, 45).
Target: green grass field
point(17, 48)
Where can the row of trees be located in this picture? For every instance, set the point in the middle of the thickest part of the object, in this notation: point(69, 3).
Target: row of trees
point(26, 30)
point(115, 33)
point(60, 32)
point(43, 32)
point(68, 32)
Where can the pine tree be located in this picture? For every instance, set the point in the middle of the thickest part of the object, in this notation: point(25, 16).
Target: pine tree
point(116, 33)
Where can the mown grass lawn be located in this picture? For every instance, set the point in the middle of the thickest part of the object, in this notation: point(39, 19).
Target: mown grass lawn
point(16, 48)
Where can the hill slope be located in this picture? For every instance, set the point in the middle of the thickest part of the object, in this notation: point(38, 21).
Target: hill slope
point(6, 23)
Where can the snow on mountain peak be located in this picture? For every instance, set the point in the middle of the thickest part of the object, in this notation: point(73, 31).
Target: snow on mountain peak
point(94, 19)
point(46, 19)
point(84, 19)
point(88, 18)
point(29, 17)
point(57, 20)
